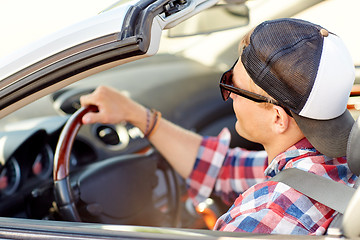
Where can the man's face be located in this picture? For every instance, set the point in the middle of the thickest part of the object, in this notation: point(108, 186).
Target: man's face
point(253, 119)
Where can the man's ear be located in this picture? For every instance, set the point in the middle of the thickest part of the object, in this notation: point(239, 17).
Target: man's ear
point(281, 120)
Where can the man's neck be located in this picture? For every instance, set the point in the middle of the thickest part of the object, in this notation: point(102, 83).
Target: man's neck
point(276, 147)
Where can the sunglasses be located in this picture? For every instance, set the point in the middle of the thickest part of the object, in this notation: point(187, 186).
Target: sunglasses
point(227, 87)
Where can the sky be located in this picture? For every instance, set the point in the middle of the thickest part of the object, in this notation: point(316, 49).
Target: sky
point(24, 21)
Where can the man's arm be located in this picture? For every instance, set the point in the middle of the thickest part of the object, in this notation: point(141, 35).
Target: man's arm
point(223, 171)
point(177, 145)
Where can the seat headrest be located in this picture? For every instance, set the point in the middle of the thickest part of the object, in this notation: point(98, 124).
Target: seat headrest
point(353, 148)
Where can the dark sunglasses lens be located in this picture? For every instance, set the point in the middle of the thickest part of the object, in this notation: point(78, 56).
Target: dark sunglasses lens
point(226, 79)
point(224, 93)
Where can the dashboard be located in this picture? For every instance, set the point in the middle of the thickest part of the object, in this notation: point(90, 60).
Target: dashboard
point(28, 154)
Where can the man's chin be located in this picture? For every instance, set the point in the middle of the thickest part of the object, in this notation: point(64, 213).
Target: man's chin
point(240, 131)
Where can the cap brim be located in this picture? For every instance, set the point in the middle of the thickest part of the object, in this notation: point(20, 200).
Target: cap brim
point(329, 137)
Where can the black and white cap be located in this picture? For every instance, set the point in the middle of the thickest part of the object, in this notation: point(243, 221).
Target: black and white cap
point(308, 70)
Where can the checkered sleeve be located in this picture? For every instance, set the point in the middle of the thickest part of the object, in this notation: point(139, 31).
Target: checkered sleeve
point(241, 169)
point(224, 171)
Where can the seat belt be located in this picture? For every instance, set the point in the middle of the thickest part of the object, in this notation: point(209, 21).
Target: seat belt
point(328, 192)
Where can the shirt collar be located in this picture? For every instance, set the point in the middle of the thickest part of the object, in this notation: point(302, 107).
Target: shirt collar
point(301, 148)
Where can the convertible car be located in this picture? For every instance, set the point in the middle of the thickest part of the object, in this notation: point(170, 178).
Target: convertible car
point(62, 180)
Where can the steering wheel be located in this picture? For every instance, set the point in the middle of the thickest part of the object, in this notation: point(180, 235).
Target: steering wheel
point(117, 190)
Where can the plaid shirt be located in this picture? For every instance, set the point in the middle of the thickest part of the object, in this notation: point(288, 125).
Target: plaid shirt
point(259, 206)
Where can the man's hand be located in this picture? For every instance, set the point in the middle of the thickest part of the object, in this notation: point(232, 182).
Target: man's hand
point(114, 107)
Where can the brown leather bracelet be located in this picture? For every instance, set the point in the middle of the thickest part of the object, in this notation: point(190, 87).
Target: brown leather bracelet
point(147, 121)
point(157, 117)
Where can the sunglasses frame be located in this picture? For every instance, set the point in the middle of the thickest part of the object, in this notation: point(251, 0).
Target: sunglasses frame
point(246, 94)
point(226, 89)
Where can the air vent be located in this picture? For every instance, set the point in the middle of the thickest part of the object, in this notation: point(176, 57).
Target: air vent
point(113, 136)
point(108, 135)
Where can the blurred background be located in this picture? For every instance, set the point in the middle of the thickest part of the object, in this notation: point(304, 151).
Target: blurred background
point(23, 21)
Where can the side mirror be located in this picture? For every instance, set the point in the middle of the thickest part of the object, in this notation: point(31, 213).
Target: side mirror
point(217, 18)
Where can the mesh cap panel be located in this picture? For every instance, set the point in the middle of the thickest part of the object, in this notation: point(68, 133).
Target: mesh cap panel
point(283, 58)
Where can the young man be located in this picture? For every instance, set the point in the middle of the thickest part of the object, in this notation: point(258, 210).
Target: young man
point(289, 88)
